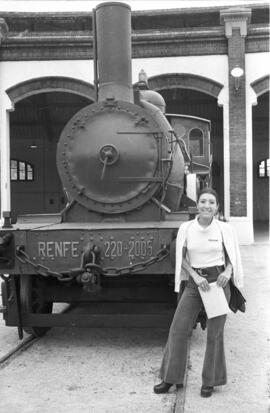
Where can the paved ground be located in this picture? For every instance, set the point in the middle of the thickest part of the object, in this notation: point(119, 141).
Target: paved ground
point(114, 370)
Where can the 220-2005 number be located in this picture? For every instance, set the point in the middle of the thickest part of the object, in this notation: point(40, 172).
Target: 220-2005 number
point(139, 248)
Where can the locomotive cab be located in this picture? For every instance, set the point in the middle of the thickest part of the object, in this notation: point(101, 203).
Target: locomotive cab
point(194, 132)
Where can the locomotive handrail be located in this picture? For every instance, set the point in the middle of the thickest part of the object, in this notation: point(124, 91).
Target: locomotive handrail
point(140, 179)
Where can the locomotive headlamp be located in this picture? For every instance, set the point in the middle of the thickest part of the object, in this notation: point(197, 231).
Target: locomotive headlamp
point(237, 72)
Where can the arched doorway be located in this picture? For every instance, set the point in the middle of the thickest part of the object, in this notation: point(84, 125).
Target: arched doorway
point(42, 108)
point(260, 133)
point(197, 96)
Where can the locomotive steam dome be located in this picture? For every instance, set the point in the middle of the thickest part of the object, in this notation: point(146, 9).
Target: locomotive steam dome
point(109, 154)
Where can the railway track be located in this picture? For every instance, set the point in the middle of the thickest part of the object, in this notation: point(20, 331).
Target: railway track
point(17, 350)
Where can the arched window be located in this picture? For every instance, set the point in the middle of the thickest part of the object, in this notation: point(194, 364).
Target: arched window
point(263, 168)
point(196, 142)
point(21, 171)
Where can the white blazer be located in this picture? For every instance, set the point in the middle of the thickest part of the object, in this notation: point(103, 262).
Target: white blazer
point(232, 247)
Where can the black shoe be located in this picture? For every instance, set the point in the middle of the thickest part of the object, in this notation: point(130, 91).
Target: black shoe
point(206, 391)
point(162, 387)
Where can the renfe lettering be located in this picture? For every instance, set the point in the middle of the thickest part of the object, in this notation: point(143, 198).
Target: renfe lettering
point(52, 249)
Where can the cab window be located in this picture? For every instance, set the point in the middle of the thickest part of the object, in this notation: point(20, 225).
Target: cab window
point(196, 142)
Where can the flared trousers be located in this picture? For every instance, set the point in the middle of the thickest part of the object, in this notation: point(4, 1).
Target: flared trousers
point(174, 361)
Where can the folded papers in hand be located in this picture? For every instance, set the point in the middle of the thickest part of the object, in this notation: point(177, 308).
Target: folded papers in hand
point(214, 301)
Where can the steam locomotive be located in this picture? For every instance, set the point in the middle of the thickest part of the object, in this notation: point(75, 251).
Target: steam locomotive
point(123, 165)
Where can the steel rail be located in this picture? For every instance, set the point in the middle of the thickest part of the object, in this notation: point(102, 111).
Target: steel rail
point(24, 345)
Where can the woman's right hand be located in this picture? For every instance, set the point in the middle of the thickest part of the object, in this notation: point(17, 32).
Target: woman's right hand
point(202, 283)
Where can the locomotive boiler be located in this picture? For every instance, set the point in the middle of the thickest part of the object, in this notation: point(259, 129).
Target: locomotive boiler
point(122, 167)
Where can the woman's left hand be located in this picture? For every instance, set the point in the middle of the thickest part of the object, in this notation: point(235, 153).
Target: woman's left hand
point(222, 280)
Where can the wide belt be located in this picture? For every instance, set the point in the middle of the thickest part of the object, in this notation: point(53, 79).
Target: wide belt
point(215, 270)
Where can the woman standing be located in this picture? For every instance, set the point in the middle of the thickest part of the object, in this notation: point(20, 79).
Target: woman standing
point(206, 251)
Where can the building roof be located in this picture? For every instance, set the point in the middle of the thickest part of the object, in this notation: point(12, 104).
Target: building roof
point(141, 20)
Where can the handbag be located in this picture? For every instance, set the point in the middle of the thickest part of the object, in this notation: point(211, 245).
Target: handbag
point(237, 300)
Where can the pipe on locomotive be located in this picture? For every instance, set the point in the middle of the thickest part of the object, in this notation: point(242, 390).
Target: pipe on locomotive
point(113, 51)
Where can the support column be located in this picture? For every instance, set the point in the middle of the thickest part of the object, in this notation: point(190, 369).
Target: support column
point(223, 102)
point(236, 22)
point(5, 107)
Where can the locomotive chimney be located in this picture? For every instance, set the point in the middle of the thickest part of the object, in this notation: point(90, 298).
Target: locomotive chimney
point(113, 46)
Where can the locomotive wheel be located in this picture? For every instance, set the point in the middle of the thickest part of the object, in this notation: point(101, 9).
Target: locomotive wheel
point(32, 301)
